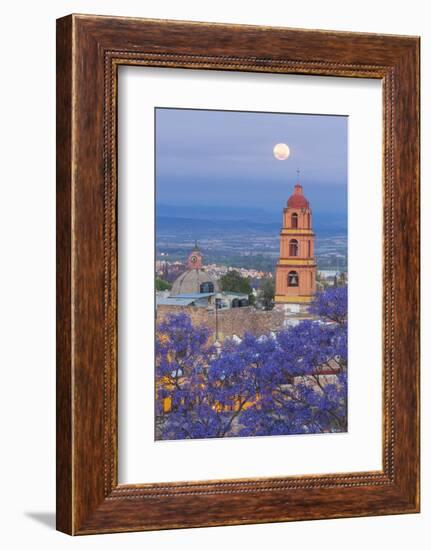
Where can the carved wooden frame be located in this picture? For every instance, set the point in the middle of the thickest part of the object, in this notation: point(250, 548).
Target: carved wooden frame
point(89, 51)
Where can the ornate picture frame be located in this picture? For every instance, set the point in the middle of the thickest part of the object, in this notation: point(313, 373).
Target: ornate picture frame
point(89, 51)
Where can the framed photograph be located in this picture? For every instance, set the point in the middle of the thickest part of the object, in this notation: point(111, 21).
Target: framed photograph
point(237, 274)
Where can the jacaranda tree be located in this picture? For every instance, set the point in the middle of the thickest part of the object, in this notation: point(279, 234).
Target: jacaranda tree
point(290, 382)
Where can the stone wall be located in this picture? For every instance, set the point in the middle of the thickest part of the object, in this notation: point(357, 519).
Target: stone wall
point(230, 322)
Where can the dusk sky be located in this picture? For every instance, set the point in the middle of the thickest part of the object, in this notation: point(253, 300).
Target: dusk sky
point(224, 158)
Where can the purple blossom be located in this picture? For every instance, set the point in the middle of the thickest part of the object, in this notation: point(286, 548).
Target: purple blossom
point(289, 383)
point(331, 305)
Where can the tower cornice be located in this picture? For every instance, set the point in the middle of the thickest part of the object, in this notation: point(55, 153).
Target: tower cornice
point(296, 262)
point(297, 232)
point(284, 299)
point(297, 209)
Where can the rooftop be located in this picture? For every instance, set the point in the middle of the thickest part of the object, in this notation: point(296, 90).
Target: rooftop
point(162, 301)
point(195, 295)
point(297, 199)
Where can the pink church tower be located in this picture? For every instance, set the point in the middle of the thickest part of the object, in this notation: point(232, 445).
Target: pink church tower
point(295, 276)
point(194, 260)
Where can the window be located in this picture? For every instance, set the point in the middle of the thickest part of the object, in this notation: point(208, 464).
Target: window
point(293, 247)
point(294, 220)
point(206, 287)
point(308, 221)
point(292, 278)
point(309, 248)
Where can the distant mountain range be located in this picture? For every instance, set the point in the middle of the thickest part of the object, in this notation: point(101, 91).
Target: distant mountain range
point(211, 212)
point(217, 220)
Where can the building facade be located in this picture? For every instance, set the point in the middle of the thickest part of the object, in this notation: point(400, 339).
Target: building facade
point(197, 288)
point(195, 280)
point(295, 276)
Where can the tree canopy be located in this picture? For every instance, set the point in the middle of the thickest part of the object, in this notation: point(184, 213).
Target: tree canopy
point(269, 385)
point(162, 285)
point(267, 292)
point(233, 281)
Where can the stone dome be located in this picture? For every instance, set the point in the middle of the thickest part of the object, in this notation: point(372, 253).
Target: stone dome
point(193, 282)
point(297, 199)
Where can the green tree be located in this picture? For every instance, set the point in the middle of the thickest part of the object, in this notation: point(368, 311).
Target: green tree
point(267, 292)
point(233, 281)
point(162, 285)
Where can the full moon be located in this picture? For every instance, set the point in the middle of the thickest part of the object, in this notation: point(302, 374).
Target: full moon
point(281, 151)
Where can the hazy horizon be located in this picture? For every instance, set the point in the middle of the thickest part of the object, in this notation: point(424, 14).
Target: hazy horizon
point(224, 159)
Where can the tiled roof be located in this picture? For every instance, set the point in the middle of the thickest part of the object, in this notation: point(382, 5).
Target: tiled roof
point(297, 199)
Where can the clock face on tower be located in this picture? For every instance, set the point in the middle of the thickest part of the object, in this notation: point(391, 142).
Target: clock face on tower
point(194, 260)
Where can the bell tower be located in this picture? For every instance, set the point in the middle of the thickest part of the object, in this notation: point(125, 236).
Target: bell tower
point(295, 275)
point(194, 260)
